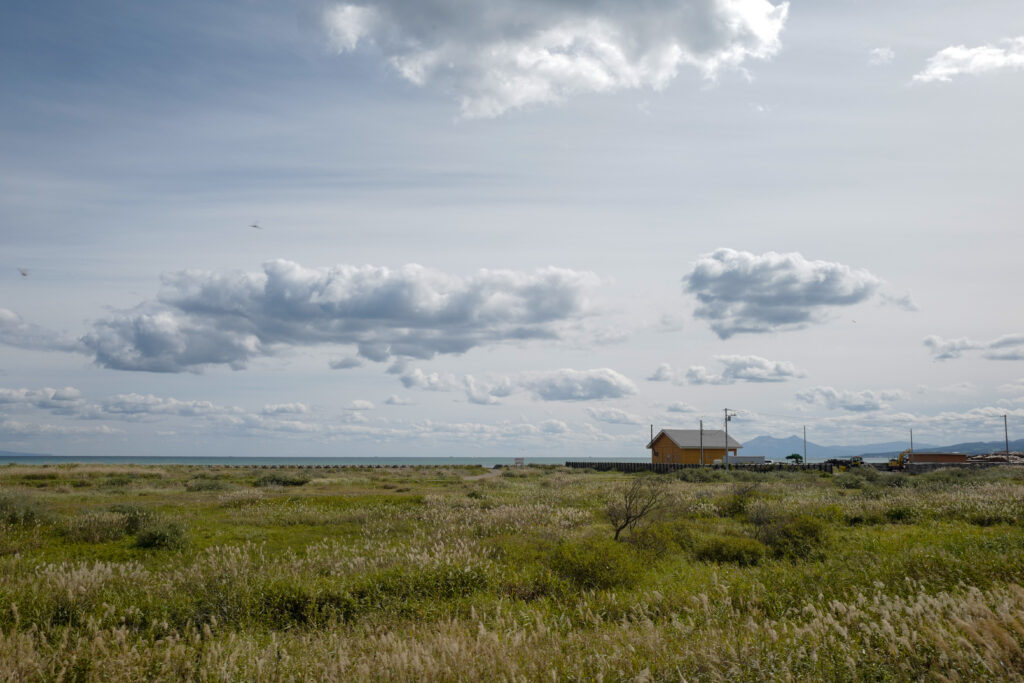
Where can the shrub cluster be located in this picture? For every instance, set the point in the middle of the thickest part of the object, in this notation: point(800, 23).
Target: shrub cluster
point(594, 563)
point(731, 549)
point(282, 479)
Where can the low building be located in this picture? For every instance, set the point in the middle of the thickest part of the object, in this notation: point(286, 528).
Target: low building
point(691, 446)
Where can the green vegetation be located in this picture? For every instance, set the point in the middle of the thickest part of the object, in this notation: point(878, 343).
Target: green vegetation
point(173, 573)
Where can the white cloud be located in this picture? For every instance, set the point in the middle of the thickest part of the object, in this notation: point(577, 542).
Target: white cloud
point(434, 381)
point(15, 428)
point(285, 409)
point(880, 56)
point(396, 400)
point(208, 318)
point(904, 302)
point(1007, 347)
point(578, 385)
point(663, 373)
point(66, 401)
point(554, 427)
point(736, 368)
point(854, 401)
point(680, 407)
point(360, 404)
point(348, 24)
point(614, 416)
point(14, 331)
point(739, 292)
point(960, 59)
point(497, 55)
point(487, 392)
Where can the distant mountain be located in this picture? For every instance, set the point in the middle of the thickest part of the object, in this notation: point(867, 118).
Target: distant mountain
point(16, 454)
point(777, 449)
point(969, 447)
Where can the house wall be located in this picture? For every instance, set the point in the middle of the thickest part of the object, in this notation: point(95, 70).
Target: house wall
point(664, 451)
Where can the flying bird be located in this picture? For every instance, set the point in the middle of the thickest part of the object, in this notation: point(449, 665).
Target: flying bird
point(23, 271)
point(257, 226)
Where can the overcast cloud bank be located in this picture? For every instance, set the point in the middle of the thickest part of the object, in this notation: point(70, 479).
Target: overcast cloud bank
point(497, 55)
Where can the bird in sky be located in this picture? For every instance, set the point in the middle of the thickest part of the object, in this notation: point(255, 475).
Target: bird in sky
point(257, 226)
point(23, 271)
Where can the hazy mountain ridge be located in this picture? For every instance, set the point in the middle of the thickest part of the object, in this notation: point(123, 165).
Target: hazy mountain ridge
point(777, 449)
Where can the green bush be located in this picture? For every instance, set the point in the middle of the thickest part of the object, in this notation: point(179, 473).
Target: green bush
point(700, 475)
point(663, 538)
point(135, 517)
point(901, 514)
point(850, 480)
point(160, 533)
point(594, 563)
point(281, 479)
point(733, 549)
point(17, 508)
point(794, 538)
point(205, 484)
point(736, 503)
point(96, 527)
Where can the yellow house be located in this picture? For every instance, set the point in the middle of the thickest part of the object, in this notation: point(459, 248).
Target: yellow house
point(684, 446)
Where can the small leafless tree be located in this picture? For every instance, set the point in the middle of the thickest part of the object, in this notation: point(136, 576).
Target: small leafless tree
point(639, 498)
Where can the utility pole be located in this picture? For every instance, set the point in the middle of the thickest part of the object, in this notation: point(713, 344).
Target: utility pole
point(911, 440)
point(725, 457)
point(702, 442)
point(805, 444)
point(1006, 436)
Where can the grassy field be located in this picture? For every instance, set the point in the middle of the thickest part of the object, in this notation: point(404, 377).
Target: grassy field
point(227, 574)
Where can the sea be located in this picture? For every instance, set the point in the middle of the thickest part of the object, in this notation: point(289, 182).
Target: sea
point(489, 462)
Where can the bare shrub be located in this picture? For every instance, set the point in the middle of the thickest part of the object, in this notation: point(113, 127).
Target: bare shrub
point(637, 500)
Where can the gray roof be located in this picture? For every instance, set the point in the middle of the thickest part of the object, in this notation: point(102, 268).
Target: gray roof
point(690, 438)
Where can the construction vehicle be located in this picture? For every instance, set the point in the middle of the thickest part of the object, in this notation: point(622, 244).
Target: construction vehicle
point(843, 464)
point(900, 462)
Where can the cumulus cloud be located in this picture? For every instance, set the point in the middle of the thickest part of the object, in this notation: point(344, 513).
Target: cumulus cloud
point(497, 55)
point(487, 392)
point(614, 416)
point(360, 404)
point(880, 56)
point(737, 368)
point(1007, 347)
point(14, 331)
point(578, 385)
point(956, 60)
point(854, 401)
point(680, 407)
point(433, 381)
point(345, 363)
point(285, 409)
point(554, 427)
point(396, 400)
point(663, 373)
point(66, 401)
point(208, 318)
point(738, 291)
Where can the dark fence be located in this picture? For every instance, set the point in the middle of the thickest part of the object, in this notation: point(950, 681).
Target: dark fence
point(662, 468)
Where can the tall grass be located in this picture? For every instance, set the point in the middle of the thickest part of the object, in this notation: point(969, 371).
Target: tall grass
point(391, 575)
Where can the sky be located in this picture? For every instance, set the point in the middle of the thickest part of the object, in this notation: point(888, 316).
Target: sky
point(497, 228)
